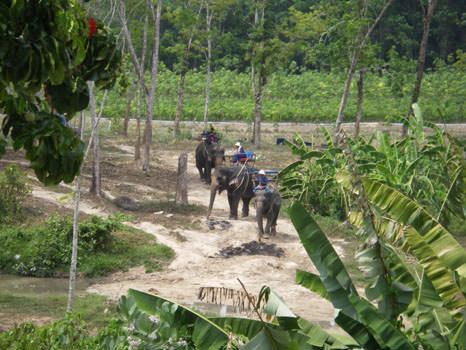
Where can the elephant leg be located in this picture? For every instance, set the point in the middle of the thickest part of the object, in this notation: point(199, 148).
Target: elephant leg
point(245, 210)
point(275, 211)
point(233, 203)
point(207, 172)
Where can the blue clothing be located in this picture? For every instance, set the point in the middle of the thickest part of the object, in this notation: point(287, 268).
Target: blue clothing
point(240, 150)
point(262, 180)
point(63, 120)
point(261, 184)
point(239, 156)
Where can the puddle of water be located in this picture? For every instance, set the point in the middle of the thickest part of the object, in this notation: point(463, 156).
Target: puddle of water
point(33, 286)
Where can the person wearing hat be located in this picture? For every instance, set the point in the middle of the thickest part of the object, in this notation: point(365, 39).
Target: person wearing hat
point(239, 153)
point(239, 148)
point(261, 182)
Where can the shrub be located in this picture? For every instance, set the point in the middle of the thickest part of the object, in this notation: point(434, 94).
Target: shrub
point(41, 251)
point(13, 191)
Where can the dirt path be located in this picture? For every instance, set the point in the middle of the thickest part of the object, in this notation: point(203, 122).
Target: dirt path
point(195, 266)
point(196, 248)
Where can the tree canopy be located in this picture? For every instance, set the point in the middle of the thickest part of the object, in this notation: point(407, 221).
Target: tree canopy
point(48, 51)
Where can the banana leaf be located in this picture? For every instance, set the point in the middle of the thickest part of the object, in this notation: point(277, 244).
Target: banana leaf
point(311, 282)
point(333, 273)
point(438, 273)
point(206, 334)
point(403, 210)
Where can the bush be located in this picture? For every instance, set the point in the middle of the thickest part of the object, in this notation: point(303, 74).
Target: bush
point(13, 191)
point(67, 334)
point(104, 246)
point(41, 251)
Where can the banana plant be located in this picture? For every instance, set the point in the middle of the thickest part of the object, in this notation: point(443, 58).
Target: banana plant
point(436, 280)
point(154, 319)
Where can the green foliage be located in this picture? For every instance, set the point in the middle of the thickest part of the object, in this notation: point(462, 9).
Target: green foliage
point(67, 334)
point(46, 250)
point(155, 332)
point(47, 51)
point(307, 97)
point(426, 167)
point(13, 191)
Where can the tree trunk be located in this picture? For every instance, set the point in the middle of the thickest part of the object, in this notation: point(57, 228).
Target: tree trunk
point(253, 75)
point(360, 98)
point(258, 111)
point(360, 44)
point(128, 107)
point(209, 57)
point(179, 105)
point(96, 181)
point(154, 71)
point(427, 18)
point(260, 81)
point(77, 198)
point(81, 124)
point(137, 146)
point(181, 180)
point(184, 69)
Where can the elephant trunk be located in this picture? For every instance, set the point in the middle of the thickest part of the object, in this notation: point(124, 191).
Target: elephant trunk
point(259, 217)
point(213, 192)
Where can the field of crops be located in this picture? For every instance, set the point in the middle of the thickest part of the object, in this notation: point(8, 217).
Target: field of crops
point(311, 96)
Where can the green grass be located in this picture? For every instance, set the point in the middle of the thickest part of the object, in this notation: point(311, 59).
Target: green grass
point(95, 309)
point(130, 248)
point(44, 250)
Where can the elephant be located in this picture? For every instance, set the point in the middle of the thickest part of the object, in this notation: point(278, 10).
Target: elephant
point(239, 185)
point(267, 206)
point(208, 156)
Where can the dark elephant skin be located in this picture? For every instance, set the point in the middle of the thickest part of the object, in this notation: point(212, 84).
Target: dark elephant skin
point(207, 157)
point(238, 184)
point(267, 207)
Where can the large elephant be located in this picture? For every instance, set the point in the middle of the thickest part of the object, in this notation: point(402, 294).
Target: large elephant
point(239, 185)
point(208, 156)
point(267, 206)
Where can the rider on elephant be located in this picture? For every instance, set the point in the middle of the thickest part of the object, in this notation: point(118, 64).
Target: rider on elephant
point(211, 136)
point(261, 182)
point(238, 154)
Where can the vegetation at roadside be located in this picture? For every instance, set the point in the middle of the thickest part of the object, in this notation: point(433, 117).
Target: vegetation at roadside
point(13, 191)
point(94, 309)
point(105, 245)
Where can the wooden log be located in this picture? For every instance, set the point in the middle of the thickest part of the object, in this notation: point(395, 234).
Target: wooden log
point(182, 180)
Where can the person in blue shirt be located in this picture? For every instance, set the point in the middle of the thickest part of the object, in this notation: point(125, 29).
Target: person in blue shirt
point(211, 137)
point(261, 182)
point(239, 148)
point(239, 154)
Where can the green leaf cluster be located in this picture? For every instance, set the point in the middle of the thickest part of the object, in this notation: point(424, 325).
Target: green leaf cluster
point(46, 59)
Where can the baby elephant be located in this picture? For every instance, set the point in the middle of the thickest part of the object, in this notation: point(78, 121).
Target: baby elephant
point(267, 206)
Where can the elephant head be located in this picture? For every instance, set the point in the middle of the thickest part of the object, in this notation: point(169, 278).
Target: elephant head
point(238, 184)
point(267, 206)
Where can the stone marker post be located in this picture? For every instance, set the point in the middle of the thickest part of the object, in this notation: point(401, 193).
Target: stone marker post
point(182, 180)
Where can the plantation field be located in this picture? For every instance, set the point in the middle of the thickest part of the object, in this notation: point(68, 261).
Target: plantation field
point(308, 97)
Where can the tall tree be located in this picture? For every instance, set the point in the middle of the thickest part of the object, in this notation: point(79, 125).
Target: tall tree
point(366, 25)
point(77, 199)
point(188, 6)
point(155, 64)
point(427, 14)
point(208, 17)
point(96, 183)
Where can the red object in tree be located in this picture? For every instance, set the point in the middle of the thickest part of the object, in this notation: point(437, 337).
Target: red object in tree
point(92, 27)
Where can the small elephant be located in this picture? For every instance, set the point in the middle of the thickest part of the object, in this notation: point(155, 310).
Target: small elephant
point(267, 206)
point(208, 156)
point(238, 183)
